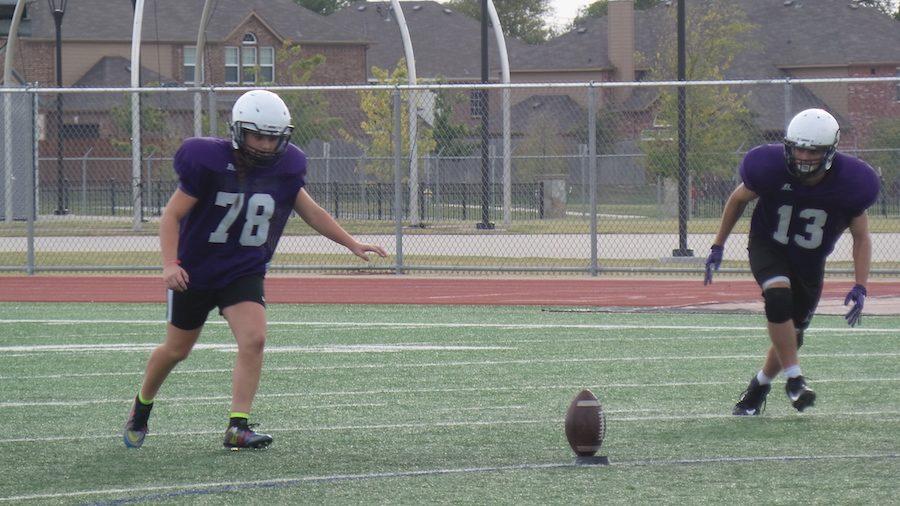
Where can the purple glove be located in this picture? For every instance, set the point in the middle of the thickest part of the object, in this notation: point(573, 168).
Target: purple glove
point(857, 295)
point(713, 261)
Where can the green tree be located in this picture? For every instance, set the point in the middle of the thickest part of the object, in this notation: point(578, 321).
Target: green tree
point(156, 129)
point(884, 143)
point(377, 105)
point(539, 152)
point(523, 19)
point(309, 109)
point(599, 8)
point(325, 7)
point(606, 131)
point(451, 139)
point(717, 120)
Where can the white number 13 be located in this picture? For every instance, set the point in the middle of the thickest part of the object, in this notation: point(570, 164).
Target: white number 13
point(812, 233)
point(260, 207)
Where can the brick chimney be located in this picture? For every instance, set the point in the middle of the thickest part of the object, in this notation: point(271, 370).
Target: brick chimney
point(620, 43)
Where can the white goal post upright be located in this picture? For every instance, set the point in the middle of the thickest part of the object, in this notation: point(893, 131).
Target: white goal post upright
point(507, 150)
point(414, 215)
point(7, 110)
point(136, 198)
point(199, 70)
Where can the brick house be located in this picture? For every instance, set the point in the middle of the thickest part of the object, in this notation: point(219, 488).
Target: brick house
point(241, 36)
point(244, 48)
point(798, 39)
point(791, 39)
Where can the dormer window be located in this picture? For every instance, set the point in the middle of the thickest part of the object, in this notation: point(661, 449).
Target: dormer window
point(249, 64)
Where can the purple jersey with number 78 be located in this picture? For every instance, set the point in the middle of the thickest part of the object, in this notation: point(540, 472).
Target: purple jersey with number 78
point(234, 227)
point(806, 220)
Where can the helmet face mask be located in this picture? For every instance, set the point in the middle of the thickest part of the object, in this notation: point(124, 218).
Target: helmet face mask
point(239, 132)
point(806, 162)
point(810, 143)
point(263, 113)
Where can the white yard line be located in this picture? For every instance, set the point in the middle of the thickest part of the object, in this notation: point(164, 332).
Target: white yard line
point(329, 348)
point(707, 328)
point(365, 393)
point(480, 423)
point(308, 368)
point(228, 486)
point(393, 348)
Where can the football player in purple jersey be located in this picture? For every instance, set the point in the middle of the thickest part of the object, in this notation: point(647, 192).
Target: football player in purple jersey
point(808, 194)
point(217, 235)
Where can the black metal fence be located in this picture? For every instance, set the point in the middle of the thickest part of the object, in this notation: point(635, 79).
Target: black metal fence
point(438, 202)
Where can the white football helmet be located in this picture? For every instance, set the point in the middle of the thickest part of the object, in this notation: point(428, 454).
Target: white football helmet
point(265, 113)
point(815, 130)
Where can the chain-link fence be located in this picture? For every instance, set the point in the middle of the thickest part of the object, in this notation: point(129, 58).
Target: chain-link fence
point(546, 177)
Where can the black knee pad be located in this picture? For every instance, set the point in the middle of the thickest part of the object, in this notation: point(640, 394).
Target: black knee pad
point(779, 304)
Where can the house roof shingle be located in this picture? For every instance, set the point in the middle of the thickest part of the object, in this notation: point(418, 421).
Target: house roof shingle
point(446, 43)
point(178, 21)
point(116, 71)
point(583, 48)
point(788, 33)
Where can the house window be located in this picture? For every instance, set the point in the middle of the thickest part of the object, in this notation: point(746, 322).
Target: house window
point(267, 64)
point(248, 64)
point(190, 63)
point(232, 62)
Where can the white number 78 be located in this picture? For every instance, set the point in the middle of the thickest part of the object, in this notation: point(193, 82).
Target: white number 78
point(260, 207)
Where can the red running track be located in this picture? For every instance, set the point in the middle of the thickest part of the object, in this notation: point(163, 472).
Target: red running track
point(615, 292)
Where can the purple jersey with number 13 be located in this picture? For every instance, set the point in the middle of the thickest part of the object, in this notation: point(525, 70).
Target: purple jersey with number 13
point(234, 227)
point(805, 220)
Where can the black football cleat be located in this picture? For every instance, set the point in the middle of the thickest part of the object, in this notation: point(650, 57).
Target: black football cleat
point(801, 396)
point(237, 438)
point(753, 399)
point(136, 425)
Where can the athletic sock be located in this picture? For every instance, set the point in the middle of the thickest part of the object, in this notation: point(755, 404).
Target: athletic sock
point(792, 371)
point(762, 379)
point(141, 411)
point(238, 419)
point(145, 402)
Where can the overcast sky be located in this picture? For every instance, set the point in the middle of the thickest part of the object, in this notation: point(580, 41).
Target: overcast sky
point(565, 11)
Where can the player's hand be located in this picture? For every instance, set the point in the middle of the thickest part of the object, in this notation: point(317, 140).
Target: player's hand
point(361, 250)
point(713, 262)
point(175, 277)
point(857, 296)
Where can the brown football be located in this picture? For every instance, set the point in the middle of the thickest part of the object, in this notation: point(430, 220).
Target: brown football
point(585, 424)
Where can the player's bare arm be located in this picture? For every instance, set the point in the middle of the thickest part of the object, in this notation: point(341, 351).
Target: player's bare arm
point(177, 208)
point(323, 223)
point(862, 248)
point(734, 208)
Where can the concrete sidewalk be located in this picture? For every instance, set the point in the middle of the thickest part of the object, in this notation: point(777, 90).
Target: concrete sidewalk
point(577, 246)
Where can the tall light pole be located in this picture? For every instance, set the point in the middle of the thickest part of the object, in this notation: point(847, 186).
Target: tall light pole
point(485, 223)
point(58, 8)
point(683, 177)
